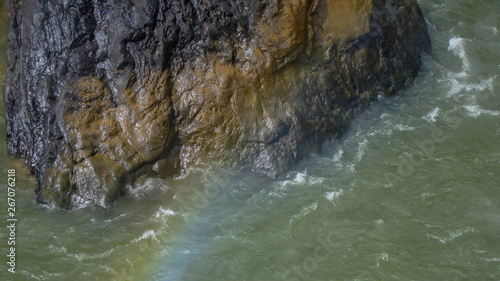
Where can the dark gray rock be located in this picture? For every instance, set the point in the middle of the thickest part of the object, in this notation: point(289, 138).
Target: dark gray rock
point(101, 93)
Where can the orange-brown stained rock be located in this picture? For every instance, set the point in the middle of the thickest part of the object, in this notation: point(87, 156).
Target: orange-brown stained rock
point(108, 140)
point(230, 106)
point(257, 91)
point(346, 19)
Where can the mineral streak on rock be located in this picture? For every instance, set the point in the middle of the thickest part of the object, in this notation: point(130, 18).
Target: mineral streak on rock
point(100, 94)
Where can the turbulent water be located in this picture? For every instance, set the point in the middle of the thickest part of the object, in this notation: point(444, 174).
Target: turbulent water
point(410, 192)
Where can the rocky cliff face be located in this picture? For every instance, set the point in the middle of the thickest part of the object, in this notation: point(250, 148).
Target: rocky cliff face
point(103, 94)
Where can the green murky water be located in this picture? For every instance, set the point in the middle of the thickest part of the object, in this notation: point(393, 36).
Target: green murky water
point(411, 192)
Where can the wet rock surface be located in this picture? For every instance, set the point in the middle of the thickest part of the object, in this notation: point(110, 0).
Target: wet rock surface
point(100, 94)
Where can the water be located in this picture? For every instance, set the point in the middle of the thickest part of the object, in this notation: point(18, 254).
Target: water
point(411, 192)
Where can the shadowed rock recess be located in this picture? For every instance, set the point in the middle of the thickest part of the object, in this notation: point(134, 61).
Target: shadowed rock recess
point(102, 95)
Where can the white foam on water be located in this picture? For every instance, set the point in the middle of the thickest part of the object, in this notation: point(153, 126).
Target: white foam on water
point(351, 168)
point(476, 111)
point(452, 235)
point(121, 215)
point(83, 257)
point(442, 240)
point(382, 257)
point(361, 149)
point(459, 233)
point(403, 128)
point(457, 46)
point(118, 217)
point(338, 155)
point(44, 276)
point(71, 229)
point(27, 273)
point(333, 195)
point(431, 116)
point(458, 86)
point(161, 213)
point(381, 132)
point(305, 211)
point(300, 178)
point(55, 249)
point(147, 234)
point(315, 180)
